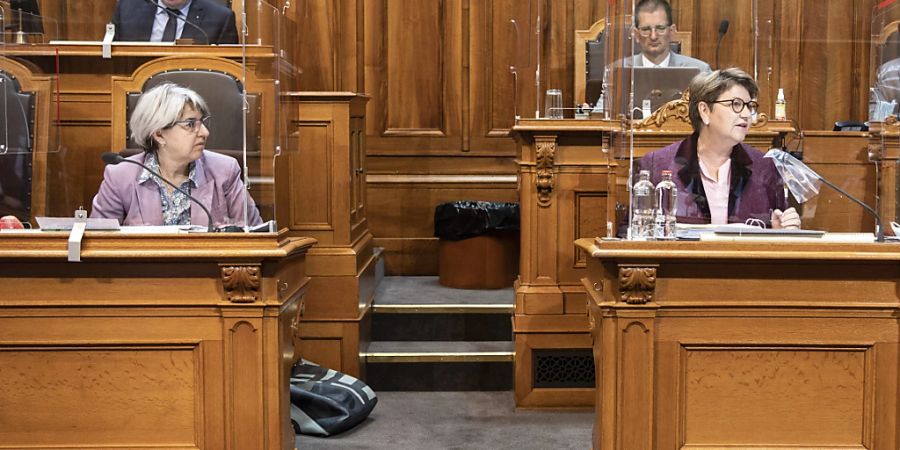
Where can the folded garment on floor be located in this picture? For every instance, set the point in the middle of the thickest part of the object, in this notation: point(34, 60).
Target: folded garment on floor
point(325, 402)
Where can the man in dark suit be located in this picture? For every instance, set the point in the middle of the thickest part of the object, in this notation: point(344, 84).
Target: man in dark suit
point(142, 20)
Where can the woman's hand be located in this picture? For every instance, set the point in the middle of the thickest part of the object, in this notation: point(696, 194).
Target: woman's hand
point(787, 219)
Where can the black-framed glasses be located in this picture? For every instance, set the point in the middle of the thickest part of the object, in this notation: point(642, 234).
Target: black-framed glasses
point(647, 29)
point(738, 105)
point(193, 124)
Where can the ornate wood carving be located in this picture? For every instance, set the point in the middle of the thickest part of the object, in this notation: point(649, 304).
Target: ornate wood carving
point(241, 283)
point(295, 321)
point(679, 111)
point(637, 284)
point(676, 110)
point(545, 150)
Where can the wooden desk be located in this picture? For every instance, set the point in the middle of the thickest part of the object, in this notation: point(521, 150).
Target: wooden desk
point(572, 175)
point(714, 344)
point(152, 341)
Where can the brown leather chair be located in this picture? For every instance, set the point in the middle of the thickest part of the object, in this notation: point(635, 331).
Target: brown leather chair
point(222, 93)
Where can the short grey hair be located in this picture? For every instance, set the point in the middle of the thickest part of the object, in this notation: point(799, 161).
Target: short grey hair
point(158, 109)
point(707, 87)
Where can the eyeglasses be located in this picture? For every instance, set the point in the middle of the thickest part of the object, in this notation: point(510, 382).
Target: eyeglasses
point(193, 124)
point(738, 105)
point(647, 29)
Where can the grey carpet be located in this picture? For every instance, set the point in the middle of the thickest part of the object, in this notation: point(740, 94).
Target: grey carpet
point(459, 420)
point(427, 290)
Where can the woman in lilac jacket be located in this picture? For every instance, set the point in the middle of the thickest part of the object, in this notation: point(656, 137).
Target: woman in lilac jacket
point(170, 123)
point(719, 179)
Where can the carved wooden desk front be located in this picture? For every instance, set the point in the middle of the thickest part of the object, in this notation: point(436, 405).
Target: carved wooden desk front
point(745, 345)
point(177, 341)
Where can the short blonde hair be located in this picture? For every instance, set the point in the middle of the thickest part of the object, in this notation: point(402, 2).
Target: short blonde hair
point(158, 109)
point(707, 87)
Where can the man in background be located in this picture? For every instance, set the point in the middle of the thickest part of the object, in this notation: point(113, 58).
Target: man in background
point(154, 21)
point(654, 30)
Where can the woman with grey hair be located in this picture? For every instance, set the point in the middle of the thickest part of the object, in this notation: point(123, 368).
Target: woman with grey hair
point(719, 178)
point(170, 123)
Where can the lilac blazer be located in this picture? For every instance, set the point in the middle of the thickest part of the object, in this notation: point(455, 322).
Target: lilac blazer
point(219, 188)
point(755, 189)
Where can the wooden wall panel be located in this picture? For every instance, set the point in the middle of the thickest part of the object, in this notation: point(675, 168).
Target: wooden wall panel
point(414, 75)
point(317, 57)
point(324, 42)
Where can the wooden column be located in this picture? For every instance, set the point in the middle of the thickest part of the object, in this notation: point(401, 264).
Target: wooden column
point(566, 189)
point(322, 194)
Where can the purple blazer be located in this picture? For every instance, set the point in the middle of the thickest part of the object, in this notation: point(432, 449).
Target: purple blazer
point(755, 189)
point(219, 188)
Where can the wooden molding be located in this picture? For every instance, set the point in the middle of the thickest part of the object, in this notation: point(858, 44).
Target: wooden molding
point(543, 182)
point(676, 113)
point(241, 283)
point(637, 284)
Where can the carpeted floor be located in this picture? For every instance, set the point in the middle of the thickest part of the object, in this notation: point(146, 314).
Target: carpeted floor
point(427, 290)
point(459, 420)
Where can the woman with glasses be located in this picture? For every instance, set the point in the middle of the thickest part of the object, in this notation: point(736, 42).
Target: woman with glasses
point(719, 178)
point(170, 123)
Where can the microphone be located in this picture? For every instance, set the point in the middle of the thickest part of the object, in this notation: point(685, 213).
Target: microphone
point(723, 28)
point(178, 16)
point(800, 180)
point(112, 159)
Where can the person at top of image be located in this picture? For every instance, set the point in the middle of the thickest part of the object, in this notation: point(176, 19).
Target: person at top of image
point(155, 21)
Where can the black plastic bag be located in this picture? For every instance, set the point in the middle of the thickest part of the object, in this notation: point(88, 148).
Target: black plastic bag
point(464, 219)
point(325, 402)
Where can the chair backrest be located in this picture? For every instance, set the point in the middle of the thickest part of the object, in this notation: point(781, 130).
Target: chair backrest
point(223, 95)
point(220, 82)
point(591, 59)
point(16, 147)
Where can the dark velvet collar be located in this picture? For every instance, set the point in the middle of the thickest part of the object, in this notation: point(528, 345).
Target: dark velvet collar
point(689, 174)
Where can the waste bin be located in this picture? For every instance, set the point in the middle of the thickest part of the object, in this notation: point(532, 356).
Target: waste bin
point(479, 244)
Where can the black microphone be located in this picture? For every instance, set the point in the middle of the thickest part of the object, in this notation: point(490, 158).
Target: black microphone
point(178, 16)
point(723, 28)
point(112, 159)
point(879, 229)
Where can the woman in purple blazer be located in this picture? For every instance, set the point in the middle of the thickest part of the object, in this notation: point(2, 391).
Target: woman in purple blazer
point(719, 179)
point(170, 123)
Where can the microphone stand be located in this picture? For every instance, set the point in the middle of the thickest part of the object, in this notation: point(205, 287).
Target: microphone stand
point(879, 228)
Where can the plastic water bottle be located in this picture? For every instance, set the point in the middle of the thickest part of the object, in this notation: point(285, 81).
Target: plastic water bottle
point(666, 201)
point(642, 208)
point(780, 106)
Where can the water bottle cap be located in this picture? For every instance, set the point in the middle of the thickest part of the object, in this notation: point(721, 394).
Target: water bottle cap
point(666, 172)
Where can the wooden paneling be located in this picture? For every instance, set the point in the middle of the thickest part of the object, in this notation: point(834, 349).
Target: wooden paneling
point(134, 357)
point(321, 184)
point(458, 97)
point(327, 44)
point(414, 74)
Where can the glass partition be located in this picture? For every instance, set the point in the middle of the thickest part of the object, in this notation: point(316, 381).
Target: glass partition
point(71, 84)
point(653, 56)
point(884, 97)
